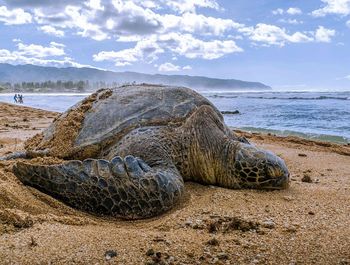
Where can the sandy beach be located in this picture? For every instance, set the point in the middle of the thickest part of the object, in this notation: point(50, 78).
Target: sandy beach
point(306, 224)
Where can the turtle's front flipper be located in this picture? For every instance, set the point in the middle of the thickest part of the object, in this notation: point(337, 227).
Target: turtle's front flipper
point(121, 187)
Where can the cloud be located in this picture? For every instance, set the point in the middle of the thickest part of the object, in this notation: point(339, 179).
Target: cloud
point(117, 19)
point(294, 11)
point(52, 31)
point(37, 55)
point(324, 35)
point(289, 11)
point(274, 35)
point(15, 16)
point(145, 50)
point(187, 67)
point(338, 7)
point(185, 45)
point(183, 6)
point(196, 23)
point(55, 49)
point(348, 23)
point(168, 67)
point(188, 46)
point(278, 11)
point(290, 21)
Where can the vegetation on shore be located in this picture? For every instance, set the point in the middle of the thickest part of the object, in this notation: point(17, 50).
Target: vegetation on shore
point(55, 86)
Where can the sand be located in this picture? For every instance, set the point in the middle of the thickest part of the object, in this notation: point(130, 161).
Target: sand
point(306, 224)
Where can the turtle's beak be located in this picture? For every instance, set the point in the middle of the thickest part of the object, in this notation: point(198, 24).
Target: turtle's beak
point(277, 174)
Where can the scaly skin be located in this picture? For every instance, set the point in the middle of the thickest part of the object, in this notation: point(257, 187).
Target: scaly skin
point(126, 188)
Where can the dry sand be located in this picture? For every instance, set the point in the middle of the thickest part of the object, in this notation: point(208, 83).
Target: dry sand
point(306, 224)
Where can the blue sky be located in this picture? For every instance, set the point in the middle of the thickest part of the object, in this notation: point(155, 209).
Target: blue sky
point(285, 44)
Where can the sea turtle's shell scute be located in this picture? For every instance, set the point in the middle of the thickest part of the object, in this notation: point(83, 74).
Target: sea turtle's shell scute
point(129, 107)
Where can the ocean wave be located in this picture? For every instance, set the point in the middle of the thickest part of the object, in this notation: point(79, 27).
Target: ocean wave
point(306, 135)
point(303, 98)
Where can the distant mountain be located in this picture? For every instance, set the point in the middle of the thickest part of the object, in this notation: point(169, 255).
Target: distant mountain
point(33, 73)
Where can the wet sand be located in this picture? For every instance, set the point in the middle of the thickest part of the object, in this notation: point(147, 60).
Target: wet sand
point(306, 224)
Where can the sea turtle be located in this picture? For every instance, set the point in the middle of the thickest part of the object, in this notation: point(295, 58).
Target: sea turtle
point(130, 149)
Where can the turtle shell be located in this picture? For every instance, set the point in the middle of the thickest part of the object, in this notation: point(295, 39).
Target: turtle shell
point(108, 115)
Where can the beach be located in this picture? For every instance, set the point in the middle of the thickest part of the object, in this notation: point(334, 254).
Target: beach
point(308, 223)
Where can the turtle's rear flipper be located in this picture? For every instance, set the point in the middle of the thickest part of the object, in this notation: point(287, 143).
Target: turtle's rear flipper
point(13, 155)
point(24, 154)
point(127, 187)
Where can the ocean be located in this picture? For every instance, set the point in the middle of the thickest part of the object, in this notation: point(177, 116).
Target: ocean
point(309, 114)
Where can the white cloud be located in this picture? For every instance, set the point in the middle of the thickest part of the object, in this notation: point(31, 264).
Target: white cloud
point(183, 6)
point(34, 50)
point(294, 11)
point(145, 50)
point(168, 67)
point(289, 11)
point(190, 47)
point(52, 31)
point(14, 17)
point(291, 21)
point(324, 35)
point(36, 54)
point(196, 23)
point(187, 67)
point(95, 4)
point(273, 35)
point(278, 11)
point(348, 23)
point(182, 44)
point(339, 7)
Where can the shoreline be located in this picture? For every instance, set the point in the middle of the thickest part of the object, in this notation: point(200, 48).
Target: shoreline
point(307, 223)
point(341, 140)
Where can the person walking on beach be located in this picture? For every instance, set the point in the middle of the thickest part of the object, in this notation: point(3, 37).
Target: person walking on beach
point(15, 98)
point(20, 96)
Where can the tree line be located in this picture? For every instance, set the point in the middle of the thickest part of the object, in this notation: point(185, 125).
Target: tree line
point(59, 85)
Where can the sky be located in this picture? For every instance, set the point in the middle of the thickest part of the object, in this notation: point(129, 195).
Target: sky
point(289, 44)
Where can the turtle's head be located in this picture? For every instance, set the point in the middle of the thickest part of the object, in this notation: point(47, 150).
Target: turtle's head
point(259, 169)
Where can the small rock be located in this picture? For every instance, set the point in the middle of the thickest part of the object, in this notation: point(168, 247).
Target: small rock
point(215, 261)
point(213, 242)
point(269, 224)
point(311, 213)
point(222, 256)
point(288, 198)
point(150, 252)
point(171, 260)
point(306, 178)
point(110, 254)
point(32, 242)
point(188, 223)
point(302, 155)
point(290, 228)
point(230, 112)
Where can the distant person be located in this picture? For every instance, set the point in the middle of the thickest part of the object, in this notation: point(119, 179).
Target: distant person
point(20, 96)
point(15, 98)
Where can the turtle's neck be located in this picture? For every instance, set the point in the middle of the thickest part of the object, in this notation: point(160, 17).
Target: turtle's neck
point(203, 157)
